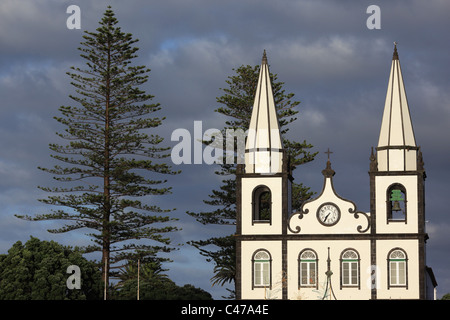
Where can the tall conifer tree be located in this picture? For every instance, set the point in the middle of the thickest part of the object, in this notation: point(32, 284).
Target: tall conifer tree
point(109, 154)
point(237, 103)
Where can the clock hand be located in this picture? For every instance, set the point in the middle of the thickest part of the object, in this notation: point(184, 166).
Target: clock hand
point(326, 217)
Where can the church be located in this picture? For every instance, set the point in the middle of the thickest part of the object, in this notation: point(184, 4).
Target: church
point(329, 249)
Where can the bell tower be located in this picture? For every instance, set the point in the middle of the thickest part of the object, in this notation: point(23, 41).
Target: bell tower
point(327, 248)
point(397, 199)
point(263, 188)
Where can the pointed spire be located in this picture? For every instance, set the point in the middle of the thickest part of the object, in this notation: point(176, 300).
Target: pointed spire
point(264, 149)
point(395, 55)
point(397, 144)
point(264, 58)
point(373, 162)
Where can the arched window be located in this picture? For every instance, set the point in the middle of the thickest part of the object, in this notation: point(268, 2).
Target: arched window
point(262, 204)
point(307, 268)
point(397, 268)
point(349, 268)
point(262, 263)
point(396, 203)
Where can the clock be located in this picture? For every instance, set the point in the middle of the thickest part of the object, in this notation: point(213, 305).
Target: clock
point(328, 214)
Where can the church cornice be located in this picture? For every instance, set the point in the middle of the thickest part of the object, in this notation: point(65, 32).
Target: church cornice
point(398, 173)
point(399, 147)
point(349, 236)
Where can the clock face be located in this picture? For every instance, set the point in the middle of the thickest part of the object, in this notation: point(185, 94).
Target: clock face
point(328, 214)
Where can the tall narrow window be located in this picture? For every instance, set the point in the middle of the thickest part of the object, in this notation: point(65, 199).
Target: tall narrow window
point(262, 204)
point(261, 269)
point(396, 203)
point(350, 268)
point(308, 268)
point(397, 268)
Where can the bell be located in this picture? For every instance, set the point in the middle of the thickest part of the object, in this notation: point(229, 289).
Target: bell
point(396, 206)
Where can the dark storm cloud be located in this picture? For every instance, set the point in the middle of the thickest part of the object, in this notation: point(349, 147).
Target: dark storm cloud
point(322, 50)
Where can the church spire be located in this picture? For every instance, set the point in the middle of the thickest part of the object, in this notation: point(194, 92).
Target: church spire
point(264, 58)
point(397, 148)
point(264, 149)
point(395, 55)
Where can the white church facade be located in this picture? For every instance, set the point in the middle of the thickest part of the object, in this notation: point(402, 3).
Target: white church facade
point(329, 249)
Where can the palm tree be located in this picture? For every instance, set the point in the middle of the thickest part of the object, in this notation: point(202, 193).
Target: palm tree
point(149, 270)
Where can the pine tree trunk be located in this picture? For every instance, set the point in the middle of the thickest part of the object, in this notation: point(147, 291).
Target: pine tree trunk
point(106, 183)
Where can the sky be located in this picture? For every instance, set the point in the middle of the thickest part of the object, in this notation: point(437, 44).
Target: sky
point(322, 50)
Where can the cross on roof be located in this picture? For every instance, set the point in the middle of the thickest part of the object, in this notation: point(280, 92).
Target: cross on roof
point(328, 152)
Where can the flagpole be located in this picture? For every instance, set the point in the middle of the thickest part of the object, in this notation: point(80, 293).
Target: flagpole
point(106, 274)
point(138, 279)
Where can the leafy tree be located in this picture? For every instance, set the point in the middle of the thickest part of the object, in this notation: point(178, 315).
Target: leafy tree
point(110, 149)
point(160, 289)
point(236, 103)
point(153, 284)
point(446, 296)
point(37, 270)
